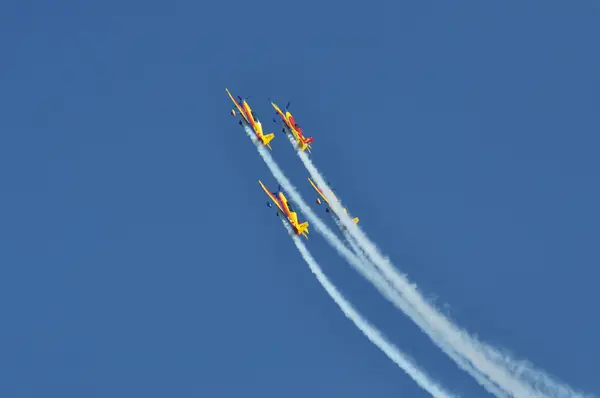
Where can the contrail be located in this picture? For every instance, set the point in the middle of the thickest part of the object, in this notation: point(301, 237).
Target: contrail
point(372, 333)
point(369, 273)
point(363, 266)
point(389, 292)
point(519, 379)
point(396, 355)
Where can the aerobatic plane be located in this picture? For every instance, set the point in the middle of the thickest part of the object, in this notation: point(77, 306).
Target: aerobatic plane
point(327, 209)
point(285, 208)
point(292, 126)
point(249, 117)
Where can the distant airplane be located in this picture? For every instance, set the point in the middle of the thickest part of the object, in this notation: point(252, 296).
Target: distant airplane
point(293, 127)
point(355, 219)
point(248, 117)
point(283, 205)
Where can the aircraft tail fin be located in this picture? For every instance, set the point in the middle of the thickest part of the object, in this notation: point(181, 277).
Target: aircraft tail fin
point(307, 142)
point(268, 138)
point(303, 229)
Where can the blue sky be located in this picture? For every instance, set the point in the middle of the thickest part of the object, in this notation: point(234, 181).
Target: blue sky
point(137, 256)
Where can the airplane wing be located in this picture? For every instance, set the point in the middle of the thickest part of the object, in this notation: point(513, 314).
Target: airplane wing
point(355, 219)
point(279, 112)
point(238, 106)
point(318, 190)
point(273, 198)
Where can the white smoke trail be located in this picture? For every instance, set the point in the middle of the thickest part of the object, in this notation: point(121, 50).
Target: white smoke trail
point(518, 378)
point(389, 292)
point(364, 269)
point(369, 274)
point(372, 333)
point(291, 190)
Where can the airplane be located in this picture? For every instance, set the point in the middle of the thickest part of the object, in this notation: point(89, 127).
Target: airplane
point(355, 219)
point(249, 117)
point(283, 205)
point(291, 124)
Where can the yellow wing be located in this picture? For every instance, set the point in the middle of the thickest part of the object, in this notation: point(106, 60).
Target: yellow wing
point(279, 112)
point(355, 219)
point(238, 106)
point(318, 190)
point(273, 198)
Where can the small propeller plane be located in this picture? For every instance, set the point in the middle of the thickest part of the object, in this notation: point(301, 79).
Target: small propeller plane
point(249, 117)
point(291, 124)
point(355, 219)
point(283, 205)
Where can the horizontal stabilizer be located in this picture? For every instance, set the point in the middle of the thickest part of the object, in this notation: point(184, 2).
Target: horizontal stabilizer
point(303, 229)
point(268, 138)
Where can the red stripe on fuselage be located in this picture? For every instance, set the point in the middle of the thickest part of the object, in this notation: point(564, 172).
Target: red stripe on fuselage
point(295, 126)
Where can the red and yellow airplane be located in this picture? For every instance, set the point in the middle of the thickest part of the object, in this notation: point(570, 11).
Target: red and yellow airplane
point(247, 116)
point(291, 124)
point(355, 219)
point(283, 205)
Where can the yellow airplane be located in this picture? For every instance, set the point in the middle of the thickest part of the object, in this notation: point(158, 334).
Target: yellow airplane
point(355, 219)
point(283, 205)
point(292, 126)
point(248, 117)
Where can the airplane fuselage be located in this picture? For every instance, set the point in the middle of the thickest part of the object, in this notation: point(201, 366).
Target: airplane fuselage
point(284, 204)
point(254, 123)
point(247, 118)
point(286, 209)
point(292, 123)
point(329, 208)
point(289, 121)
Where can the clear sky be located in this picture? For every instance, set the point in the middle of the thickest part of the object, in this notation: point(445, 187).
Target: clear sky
point(138, 257)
